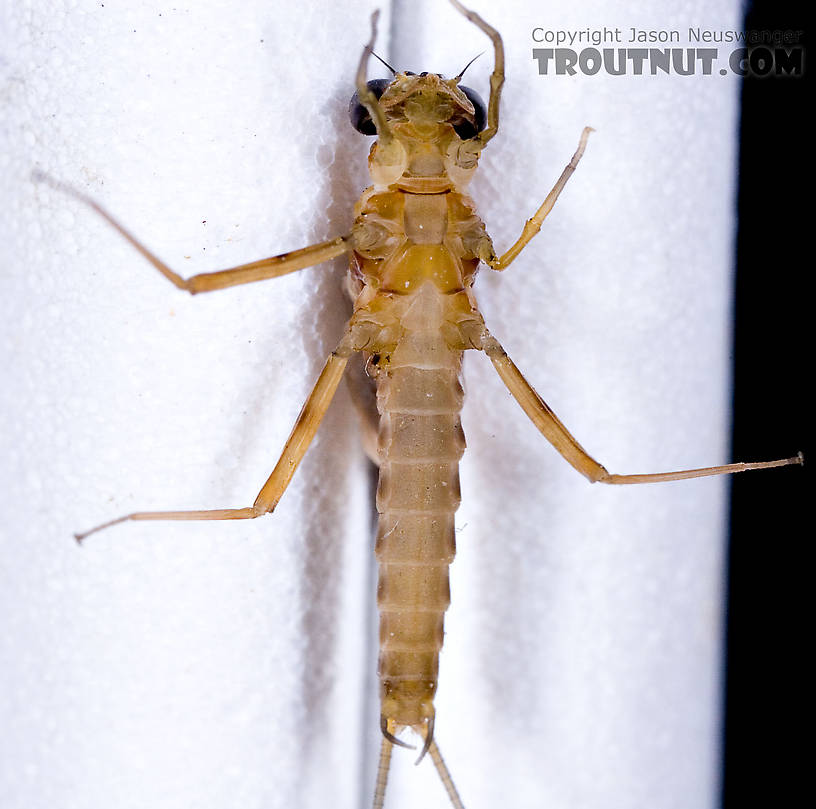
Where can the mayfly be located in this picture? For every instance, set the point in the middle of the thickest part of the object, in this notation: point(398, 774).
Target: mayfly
point(415, 248)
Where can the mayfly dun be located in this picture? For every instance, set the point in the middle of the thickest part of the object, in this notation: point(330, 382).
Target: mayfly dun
point(414, 249)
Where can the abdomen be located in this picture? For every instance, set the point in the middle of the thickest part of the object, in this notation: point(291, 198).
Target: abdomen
point(419, 396)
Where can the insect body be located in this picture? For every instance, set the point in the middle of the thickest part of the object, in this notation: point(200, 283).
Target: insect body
point(415, 247)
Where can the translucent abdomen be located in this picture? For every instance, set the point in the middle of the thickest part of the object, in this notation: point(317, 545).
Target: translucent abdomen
point(420, 444)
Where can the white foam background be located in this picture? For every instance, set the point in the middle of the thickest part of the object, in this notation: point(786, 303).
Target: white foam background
point(231, 664)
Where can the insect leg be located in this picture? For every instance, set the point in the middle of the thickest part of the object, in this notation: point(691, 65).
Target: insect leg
point(366, 95)
point(207, 282)
point(496, 77)
point(533, 225)
point(557, 434)
point(293, 451)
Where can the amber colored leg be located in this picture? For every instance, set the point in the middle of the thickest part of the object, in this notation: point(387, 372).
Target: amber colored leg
point(293, 451)
point(496, 77)
point(209, 281)
point(533, 225)
point(365, 94)
point(558, 435)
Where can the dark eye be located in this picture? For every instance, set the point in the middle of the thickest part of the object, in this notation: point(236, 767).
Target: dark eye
point(465, 129)
point(358, 114)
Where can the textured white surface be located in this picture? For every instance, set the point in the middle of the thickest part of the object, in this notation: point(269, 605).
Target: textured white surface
point(219, 665)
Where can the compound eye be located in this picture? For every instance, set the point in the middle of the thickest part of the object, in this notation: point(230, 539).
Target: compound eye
point(465, 129)
point(359, 115)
